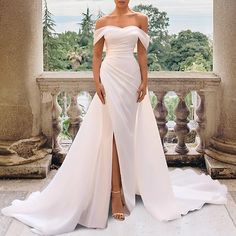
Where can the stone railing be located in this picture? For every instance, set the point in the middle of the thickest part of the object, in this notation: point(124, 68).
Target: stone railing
point(206, 85)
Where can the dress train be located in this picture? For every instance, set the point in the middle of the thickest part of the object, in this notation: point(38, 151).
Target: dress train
point(80, 191)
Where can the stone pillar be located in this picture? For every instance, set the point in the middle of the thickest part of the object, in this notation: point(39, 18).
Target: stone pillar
point(21, 61)
point(223, 145)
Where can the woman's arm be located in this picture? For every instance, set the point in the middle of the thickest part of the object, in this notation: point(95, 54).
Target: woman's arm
point(142, 60)
point(96, 64)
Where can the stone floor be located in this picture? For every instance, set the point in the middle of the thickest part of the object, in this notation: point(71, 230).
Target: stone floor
point(217, 220)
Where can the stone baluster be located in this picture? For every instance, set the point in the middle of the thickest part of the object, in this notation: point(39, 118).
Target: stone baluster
point(64, 102)
point(56, 122)
point(74, 113)
point(160, 112)
point(181, 128)
point(92, 93)
point(200, 111)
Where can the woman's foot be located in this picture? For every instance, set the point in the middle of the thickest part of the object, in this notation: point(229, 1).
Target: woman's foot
point(117, 206)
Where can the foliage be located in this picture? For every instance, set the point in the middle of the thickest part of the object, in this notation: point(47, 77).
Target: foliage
point(73, 51)
point(86, 31)
point(157, 30)
point(50, 55)
point(188, 49)
point(65, 127)
point(153, 99)
point(171, 103)
point(157, 21)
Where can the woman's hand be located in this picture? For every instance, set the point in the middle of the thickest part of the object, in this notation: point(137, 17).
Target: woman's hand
point(100, 91)
point(142, 90)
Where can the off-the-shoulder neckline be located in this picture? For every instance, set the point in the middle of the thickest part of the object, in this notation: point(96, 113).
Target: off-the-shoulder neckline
point(121, 28)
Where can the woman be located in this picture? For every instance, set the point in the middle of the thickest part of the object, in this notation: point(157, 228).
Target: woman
point(117, 152)
point(121, 16)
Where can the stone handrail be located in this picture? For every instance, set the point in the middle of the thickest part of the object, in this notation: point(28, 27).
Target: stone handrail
point(206, 84)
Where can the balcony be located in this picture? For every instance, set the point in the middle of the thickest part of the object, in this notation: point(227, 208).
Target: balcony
point(205, 85)
point(30, 124)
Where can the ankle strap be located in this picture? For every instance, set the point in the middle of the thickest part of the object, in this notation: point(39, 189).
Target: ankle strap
point(115, 191)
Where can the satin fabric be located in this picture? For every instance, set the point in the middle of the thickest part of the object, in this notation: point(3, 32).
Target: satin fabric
point(80, 191)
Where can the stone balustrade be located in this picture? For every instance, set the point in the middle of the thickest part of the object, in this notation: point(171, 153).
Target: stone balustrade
point(205, 84)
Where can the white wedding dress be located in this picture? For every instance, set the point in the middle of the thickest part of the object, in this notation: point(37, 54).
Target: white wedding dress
point(80, 191)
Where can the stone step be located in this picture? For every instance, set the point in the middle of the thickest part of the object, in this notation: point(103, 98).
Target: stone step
point(35, 170)
point(219, 170)
point(192, 158)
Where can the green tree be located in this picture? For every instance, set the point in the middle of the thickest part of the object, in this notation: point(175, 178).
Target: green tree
point(188, 48)
point(157, 30)
point(68, 51)
point(196, 63)
point(49, 46)
point(171, 103)
point(185, 51)
point(157, 21)
point(86, 31)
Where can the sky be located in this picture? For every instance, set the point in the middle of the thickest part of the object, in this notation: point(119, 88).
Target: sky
point(196, 15)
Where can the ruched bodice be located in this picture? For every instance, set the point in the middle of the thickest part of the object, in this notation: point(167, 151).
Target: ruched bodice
point(121, 41)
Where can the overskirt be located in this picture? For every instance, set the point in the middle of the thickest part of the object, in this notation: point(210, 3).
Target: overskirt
point(80, 191)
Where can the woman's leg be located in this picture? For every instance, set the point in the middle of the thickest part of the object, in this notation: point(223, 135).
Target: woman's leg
point(117, 206)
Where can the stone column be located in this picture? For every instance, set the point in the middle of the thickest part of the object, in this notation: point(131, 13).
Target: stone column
point(21, 61)
point(223, 144)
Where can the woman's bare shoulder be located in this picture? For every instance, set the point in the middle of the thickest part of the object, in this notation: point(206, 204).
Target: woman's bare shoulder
point(142, 20)
point(102, 21)
point(141, 16)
